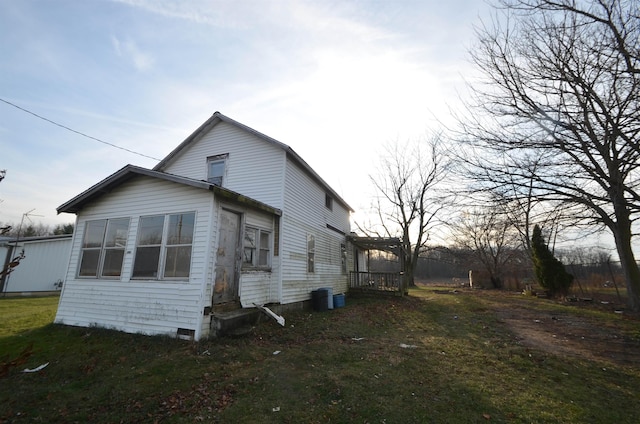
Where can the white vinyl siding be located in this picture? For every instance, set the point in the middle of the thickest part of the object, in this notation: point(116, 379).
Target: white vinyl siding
point(305, 213)
point(148, 306)
point(253, 166)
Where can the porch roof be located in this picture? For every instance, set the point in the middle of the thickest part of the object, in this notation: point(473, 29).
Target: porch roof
point(387, 244)
point(131, 171)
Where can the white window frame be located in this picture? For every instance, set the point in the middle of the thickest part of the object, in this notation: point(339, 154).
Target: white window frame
point(253, 259)
point(217, 159)
point(105, 247)
point(165, 246)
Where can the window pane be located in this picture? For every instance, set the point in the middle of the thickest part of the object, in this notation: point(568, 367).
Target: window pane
point(94, 232)
point(264, 240)
point(112, 262)
point(89, 263)
point(248, 255)
point(181, 228)
point(146, 262)
point(263, 260)
point(178, 262)
point(250, 237)
point(150, 231)
point(117, 231)
point(216, 172)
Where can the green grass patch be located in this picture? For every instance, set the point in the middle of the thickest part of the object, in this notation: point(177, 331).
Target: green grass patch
point(19, 314)
point(431, 357)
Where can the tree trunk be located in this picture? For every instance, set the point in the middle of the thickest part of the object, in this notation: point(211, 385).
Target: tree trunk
point(629, 265)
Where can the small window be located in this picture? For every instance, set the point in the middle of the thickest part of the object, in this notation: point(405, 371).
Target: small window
point(164, 246)
point(311, 253)
point(216, 169)
point(328, 201)
point(256, 248)
point(103, 247)
point(343, 256)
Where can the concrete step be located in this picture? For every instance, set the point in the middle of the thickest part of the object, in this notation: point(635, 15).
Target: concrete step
point(237, 322)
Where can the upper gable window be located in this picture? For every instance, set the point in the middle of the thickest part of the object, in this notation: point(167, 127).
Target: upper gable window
point(328, 201)
point(216, 166)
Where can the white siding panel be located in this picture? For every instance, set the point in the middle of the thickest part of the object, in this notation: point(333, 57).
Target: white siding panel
point(255, 287)
point(305, 213)
point(44, 264)
point(150, 307)
point(254, 167)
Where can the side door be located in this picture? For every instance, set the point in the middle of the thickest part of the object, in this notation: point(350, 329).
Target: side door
point(228, 257)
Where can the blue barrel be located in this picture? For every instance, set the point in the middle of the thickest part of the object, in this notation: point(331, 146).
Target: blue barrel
point(338, 300)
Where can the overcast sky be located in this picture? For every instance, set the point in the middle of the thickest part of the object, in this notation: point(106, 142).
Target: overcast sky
point(335, 80)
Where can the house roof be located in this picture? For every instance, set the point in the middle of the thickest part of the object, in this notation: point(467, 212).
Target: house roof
point(218, 117)
point(38, 238)
point(131, 171)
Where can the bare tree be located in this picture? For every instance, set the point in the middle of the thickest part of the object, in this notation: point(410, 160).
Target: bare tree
point(407, 204)
point(491, 238)
point(562, 91)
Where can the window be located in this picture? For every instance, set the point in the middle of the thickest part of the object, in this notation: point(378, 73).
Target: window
point(328, 201)
point(103, 247)
point(256, 248)
point(311, 253)
point(164, 244)
point(216, 168)
point(343, 256)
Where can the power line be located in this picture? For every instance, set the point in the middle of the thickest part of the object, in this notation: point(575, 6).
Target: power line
point(77, 132)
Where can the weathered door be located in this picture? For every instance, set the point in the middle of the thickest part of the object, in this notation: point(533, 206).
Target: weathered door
point(227, 258)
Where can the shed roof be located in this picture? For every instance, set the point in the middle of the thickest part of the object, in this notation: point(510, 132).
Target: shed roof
point(218, 117)
point(131, 171)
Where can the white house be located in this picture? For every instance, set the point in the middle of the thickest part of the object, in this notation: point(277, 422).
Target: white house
point(229, 219)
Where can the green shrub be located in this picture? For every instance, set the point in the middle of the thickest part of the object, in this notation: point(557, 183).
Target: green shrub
point(549, 270)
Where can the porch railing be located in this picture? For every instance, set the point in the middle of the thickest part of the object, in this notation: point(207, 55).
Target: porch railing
point(375, 281)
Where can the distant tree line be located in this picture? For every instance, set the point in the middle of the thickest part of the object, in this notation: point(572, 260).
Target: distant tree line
point(35, 229)
point(590, 267)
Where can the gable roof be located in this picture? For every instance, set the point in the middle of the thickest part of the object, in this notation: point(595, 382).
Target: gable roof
point(218, 117)
point(131, 171)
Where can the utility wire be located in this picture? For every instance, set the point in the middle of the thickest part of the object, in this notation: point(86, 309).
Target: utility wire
point(77, 132)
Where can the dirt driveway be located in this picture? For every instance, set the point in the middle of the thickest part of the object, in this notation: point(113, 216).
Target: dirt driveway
point(615, 339)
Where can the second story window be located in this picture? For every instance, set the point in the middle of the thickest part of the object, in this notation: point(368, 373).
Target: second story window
point(328, 201)
point(216, 169)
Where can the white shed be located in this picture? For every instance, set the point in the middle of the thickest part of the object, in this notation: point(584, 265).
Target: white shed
point(43, 268)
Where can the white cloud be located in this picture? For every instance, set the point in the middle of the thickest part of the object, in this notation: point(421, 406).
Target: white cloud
point(129, 50)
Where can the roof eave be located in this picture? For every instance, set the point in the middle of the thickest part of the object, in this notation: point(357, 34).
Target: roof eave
point(118, 178)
